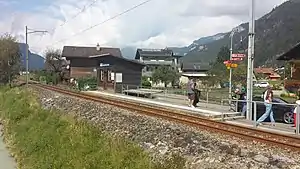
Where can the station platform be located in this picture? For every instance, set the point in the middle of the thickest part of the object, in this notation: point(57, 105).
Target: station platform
point(148, 93)
point(281, 128)
point(219, 113)
point(179, 105)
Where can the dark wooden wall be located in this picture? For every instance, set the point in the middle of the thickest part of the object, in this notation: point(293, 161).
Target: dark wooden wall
point(131, 72)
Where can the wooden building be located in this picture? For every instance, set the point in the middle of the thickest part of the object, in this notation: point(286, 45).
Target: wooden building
point(107, 64)
point(293, 57)
point(266, 73)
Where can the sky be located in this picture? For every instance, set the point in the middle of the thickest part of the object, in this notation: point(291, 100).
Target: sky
point(156, 24)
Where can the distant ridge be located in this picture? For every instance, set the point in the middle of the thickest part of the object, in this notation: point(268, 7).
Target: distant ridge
point(35, 61)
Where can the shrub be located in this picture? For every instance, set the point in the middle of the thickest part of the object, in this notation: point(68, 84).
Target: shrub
point(83, 82)
point(145, 82)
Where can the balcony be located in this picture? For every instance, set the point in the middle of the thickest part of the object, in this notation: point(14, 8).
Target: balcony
point(158, 62)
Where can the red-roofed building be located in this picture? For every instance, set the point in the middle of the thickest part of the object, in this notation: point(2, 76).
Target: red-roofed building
point(267, 73)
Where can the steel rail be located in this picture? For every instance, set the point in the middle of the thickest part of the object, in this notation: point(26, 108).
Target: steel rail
point(252, 134)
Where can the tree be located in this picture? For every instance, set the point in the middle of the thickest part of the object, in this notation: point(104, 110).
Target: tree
point(218, 72)
point(165, 75)
point(287, 70)
point(53, 60)
point(239, 74)
point(54, 64)
point(9, 58)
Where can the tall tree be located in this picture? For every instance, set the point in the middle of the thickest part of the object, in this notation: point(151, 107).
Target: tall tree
point(9, 58)
point(165, 75)
point(54, 63)
point(53, 60)
point(239, 74)
point(218, 72)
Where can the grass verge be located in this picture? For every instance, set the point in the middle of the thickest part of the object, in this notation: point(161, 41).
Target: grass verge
point(40, 139)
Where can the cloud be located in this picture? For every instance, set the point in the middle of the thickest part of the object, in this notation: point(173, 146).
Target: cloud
point(158, 23)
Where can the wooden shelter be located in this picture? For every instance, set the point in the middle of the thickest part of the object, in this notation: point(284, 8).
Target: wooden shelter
point(107, 64)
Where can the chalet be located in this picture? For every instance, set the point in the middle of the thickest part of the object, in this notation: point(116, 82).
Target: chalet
point(107, 64)
point(267, 73)
point(293, 57)
point(195, 70)
point(154, 58)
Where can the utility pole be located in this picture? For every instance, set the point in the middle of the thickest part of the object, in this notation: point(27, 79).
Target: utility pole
point(250, 60)
point(29, 31)
point(230, 70)
point(26, 39)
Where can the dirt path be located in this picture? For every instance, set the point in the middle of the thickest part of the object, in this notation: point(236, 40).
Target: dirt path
point(6, 161)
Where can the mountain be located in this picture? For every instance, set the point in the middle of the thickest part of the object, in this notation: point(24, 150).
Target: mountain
point(128, 52)
point(276, 32)
point(35, 61)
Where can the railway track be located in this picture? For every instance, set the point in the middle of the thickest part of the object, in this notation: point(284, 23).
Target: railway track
point(251, 134)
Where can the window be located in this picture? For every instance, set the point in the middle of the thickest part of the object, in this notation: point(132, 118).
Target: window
point(112, 75)
point(108, 75)
point(101, 75)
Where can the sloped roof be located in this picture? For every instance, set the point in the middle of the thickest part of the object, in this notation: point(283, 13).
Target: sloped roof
point(153, 52)
point(195, 66)
point(264, 70)
point(293, 53)
point(121, 58)
point(79, 51)
point(275, 75)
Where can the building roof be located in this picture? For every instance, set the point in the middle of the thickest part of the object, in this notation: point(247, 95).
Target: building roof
point(293, 53)
point(274, 75)
point(263, 70)
point(153, 52)
point(193, 74)
point(79, 51)
point(121, 58)
point(195, 66)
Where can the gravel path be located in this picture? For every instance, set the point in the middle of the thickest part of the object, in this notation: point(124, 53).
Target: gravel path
point(6, 161)
point(202, 149)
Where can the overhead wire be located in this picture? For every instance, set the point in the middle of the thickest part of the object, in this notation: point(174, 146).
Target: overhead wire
point(85, 7)
point(103, 22)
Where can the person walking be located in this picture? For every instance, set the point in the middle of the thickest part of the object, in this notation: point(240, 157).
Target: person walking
point(243, 101)
point(197, 94)
point(268, 97)
point(191, 91)
point(295, 114)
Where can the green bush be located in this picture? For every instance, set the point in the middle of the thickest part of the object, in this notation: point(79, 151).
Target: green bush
point(42, 79)
point(42, 139)
point(87, 81)
point(145, 82)
point(276, 87)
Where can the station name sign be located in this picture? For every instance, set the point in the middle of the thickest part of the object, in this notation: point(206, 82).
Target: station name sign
point(104, 65)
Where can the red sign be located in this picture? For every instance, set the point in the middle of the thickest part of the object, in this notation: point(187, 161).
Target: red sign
point(238, 55)
point(227, 62)
point(236, 59)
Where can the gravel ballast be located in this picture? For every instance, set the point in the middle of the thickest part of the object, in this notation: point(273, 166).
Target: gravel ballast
point(200, 148)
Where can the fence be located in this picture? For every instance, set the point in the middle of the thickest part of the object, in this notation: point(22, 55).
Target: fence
point(207, 95)
point(216, 96)
point(253, 116)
